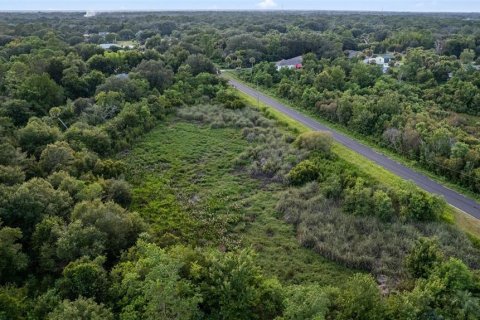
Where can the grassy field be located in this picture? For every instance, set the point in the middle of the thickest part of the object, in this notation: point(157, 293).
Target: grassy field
point(187, 187)
point(464, 221)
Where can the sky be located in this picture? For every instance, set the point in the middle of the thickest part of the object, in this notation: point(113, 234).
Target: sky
point(160, 5)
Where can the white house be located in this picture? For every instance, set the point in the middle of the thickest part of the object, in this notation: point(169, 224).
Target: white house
point(382, 60)
point(293, 63)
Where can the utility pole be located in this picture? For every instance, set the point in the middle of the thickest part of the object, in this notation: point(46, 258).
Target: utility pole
point(252, 61)
point(258, 97)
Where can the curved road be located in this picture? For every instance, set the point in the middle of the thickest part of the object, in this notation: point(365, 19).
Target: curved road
point(452, 197)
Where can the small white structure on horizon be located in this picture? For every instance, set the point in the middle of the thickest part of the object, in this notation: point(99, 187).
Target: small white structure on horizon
point(293, 63)
point(89, 14)
point(108, 46)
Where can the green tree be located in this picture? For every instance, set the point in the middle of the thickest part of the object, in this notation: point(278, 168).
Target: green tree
point(199, 63)
point(36, 135)
point(131, 89)
point(418, 205)
point(82, 135)
point(12, 259)
point(365, 75)
point(44, 243)
point(467, 56)
point(119, 192)
point(17, 110)
point(42, 91)
point(234, 288)
point(13, 303)
point(57, 156)
point(80, 309)
point(84, 278)
point(157, 74)
point(32, 201)
point(103, 64)
point(11, 175)
point(78, 241)
point(360, 300)
point(150, 287)
point(120, 227)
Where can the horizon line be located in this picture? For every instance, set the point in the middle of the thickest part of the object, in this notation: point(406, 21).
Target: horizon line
point(216, 10)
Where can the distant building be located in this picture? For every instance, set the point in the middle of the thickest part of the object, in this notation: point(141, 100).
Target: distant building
point(293, 63)
point(122, 76)
point(89, 14)
point(103, 33)
point(353, 53)
point(382, 60)
point(108, 46)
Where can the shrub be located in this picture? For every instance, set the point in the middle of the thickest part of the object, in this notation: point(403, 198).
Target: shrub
point(421, 206)
point(306, 302)
point(303, 172)
point(361, 299)
point(358, 200)
point(315, 141)
point(424, 256)
point(383, 205)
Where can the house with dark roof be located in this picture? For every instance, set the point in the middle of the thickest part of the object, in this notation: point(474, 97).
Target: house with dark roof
point(293, 63)
point(353, 53)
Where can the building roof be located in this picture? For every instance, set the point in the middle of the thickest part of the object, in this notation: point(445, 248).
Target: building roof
point(387, 55)
point(109, 45)
point(122, 76)
point(353, 53)
point(290, 62)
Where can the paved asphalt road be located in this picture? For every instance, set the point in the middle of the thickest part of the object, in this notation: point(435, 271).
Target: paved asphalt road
point(453, 198)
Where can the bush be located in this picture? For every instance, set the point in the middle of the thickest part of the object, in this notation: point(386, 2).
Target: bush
point(358, 200)
point(303, 172)
point(421, 206)
point(306, 302)
point(360, 299)
point(424, 257)
point(383, 205)
point(315, 141)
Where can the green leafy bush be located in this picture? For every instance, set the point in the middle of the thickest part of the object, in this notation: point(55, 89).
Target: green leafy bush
point(305, 171)
point(315, 141)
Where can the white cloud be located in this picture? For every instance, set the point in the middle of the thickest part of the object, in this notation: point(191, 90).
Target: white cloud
point(267, 4)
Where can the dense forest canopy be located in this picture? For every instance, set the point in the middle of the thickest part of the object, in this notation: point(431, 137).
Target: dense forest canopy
point(136, 184)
